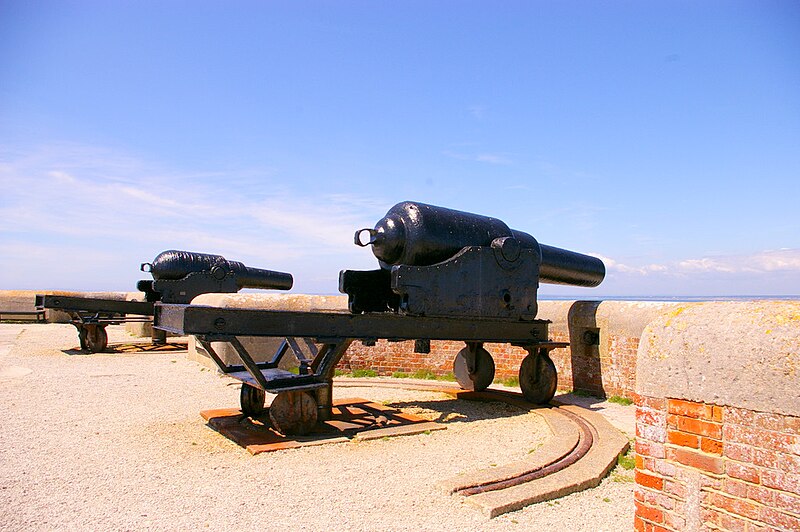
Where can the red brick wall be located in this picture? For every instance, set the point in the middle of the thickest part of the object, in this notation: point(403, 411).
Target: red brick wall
point(710, 467)
point(603, 372)
point(389, 357)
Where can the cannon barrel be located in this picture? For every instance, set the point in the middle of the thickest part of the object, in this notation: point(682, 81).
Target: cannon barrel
point(174, 265)
point(417, 234)
point(258, 278)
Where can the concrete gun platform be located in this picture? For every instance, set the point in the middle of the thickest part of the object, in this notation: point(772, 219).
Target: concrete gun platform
point(582, 448)
point(117, 439)
point(356, 418)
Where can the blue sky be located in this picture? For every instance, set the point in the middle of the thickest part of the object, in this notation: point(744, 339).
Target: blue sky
point(663, 137)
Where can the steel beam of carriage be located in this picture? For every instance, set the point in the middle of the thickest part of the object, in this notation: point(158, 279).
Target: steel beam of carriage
point(333, 332)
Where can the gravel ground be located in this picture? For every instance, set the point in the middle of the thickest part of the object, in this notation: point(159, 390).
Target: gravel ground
point(115, 441)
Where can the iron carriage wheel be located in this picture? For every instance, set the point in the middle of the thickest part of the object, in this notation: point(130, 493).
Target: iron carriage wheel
point(82, 337)
point(538, 377)
point(95, 338)
point(293, 413)
point(251, 399)
point(478, 377)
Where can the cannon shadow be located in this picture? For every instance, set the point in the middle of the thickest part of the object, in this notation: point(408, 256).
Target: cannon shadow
point(458, 410)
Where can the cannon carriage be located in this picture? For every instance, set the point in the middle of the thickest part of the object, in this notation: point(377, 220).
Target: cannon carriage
point(178, 276)
point(443, 275)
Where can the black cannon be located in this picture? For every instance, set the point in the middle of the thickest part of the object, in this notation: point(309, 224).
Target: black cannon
point(444, 275)
point(441, 262)
point(178, 277)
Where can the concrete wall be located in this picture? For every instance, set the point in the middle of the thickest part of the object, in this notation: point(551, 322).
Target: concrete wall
point(718, 418)
point(261, 349)
point(601, 358)
point(25, 300)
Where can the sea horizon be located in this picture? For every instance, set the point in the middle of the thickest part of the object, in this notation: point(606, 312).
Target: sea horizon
point(671, 298)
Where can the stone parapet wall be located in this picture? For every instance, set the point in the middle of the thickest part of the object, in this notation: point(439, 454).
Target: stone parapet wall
point(717, 426)
point(260, 348)
point(603, 340)
point(25, 301)
point(601, 357)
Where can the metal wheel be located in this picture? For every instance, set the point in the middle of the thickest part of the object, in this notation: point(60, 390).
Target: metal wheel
point(293, 413)
point(538, 378)
point(477, 375)
point(82, 336)
point(252, 400)
point(96, 338)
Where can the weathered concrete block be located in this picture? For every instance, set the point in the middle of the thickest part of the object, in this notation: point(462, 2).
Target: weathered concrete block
point(259, 347)
point(142, 329)
point(743, 354)
point(18, 301)
point(25, 300)
point(603, 340)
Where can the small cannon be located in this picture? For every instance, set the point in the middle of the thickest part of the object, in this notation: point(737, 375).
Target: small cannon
point(441, 262)
point(178, 277)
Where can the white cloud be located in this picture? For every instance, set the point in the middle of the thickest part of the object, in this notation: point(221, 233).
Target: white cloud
point(492, 158)
point(615, 266)
point(489, 158)
point(477, 111)
point(99, 208)
point(61, 177)
point(762, 262)
point(762, 273)
point(705, 265)
point(777, 260)
point(148, 197)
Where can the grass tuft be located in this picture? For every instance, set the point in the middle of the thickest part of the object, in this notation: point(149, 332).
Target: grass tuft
point(620, 400)
point(511, 382)
point(365, 373)
point(425, 374)
point(627, 461)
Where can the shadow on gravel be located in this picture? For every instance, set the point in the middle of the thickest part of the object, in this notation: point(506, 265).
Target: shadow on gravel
point(458, 410)
point(588, 402)
point(130, 348)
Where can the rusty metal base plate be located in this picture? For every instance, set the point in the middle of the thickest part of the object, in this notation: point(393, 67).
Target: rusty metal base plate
point(353, 419)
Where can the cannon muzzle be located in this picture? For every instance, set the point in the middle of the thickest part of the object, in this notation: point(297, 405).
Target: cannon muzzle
point(267, 279)
point(561, 266)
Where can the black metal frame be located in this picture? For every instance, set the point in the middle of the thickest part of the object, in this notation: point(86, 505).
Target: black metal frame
point(176, 279)
point(91, 315)
point(97, 311)
point(330, 334)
